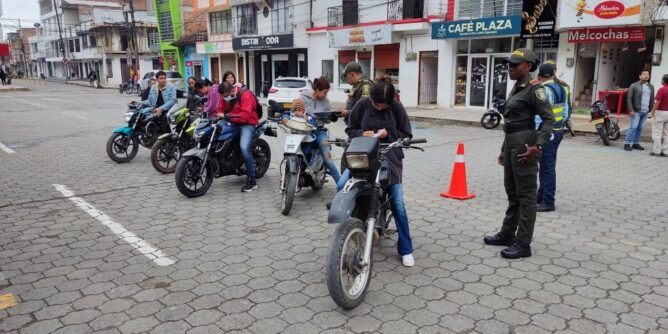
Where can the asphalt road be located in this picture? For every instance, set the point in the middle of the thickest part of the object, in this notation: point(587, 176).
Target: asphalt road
point(88, 245)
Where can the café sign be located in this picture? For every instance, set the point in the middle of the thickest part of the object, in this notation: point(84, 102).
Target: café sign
point(607, 35)
point(263, 42)
point(492, 26)
point(366, 35)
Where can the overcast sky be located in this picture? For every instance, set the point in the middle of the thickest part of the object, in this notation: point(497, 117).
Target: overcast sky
point(26, 10)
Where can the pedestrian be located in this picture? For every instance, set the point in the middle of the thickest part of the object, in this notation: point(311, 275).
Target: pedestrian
point(640, 101)
point(231, 79)
point(547, 174)
point(564, 85)
point(519, 154)
point(3, 76)
point(660, 125)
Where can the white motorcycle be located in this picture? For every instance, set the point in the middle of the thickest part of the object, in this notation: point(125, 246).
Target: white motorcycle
point(302, 164)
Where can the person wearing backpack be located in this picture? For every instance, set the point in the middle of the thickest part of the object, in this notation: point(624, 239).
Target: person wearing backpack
point(242, 106)
point(558, 97)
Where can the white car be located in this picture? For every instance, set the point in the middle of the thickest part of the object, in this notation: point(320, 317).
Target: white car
point(173, 78)
point(284, 90)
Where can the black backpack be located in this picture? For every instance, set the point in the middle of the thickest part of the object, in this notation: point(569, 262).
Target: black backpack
point(258, 105)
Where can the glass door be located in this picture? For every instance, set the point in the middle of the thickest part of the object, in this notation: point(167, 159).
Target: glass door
point(478, 87)
point(498, 78)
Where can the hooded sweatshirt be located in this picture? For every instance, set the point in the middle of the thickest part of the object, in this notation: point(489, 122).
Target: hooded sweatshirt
point(313, 105)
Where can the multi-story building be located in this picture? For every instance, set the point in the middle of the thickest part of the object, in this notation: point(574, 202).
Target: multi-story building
point(217, 54)
point(21, 60)
point(96, 35)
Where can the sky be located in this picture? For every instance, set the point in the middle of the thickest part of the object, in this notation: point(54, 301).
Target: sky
point(26, 10)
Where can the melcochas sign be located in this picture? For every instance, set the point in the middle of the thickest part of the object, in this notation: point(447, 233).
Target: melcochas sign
point(625, 34)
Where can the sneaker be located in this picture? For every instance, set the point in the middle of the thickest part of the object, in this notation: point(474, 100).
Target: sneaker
point(250, 186)
point(627, 147)
point(654, 154)
point(408, 260)
point(664, 155)
point(637, 147)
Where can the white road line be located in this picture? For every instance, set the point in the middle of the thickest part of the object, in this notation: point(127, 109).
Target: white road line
point(6, 149)
point(156, 255)
point(51, 107)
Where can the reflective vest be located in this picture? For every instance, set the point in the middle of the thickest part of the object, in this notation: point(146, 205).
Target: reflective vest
point(560, 98)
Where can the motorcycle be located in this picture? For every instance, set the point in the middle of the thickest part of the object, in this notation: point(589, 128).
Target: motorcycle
point(217, 154)
point(362, 210)
point(127, 87)
point(167, 151)
point(606, 128)
point(142, 129)
point(492, 118)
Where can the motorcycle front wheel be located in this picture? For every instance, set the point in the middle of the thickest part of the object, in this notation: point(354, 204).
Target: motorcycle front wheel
point(121, 148)
point(604, 135)
point(189, 181)
point(347, 281)
point(490, 120)
point(290, 184)
point(165, 155)
point(262, 157)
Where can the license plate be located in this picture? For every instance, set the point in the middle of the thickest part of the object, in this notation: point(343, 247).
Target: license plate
point(598, 121)
point(287, 105)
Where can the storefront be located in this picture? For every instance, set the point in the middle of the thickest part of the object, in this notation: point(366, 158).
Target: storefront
point(196, 64)
point(480, 46)
point(220, 58)
point(270, 57)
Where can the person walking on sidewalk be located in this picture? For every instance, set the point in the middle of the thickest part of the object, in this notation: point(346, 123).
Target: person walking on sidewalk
point(3, 76)
point(660, 125)
point(519, 154)
point(640, 102)
point(557, 95)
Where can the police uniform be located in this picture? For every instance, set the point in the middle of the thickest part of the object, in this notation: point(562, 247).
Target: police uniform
point(520, 179)
point(361, 89)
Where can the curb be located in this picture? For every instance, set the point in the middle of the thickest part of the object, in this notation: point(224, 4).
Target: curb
point(14, 89)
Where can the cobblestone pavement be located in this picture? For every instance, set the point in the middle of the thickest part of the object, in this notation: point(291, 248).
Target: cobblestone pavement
point(600, 261)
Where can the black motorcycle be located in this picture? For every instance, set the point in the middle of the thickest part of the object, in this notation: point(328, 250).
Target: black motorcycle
point(218, 154)
point(606, 128)
point(492, 118)
point(143, 128)
point(362, 210)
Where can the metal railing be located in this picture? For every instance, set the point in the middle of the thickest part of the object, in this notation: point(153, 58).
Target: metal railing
point(402, 9)
point(346, 15)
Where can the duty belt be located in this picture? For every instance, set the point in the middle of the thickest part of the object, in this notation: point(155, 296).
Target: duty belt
point(509, 128)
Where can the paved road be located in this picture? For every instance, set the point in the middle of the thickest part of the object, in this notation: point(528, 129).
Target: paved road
point(73, 255)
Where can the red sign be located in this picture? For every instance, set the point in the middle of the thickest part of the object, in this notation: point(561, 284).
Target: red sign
point(161, 60)
point(4, 50)
point(609, 9)
point(189, 63)
point(607, 35)
point(172, 61)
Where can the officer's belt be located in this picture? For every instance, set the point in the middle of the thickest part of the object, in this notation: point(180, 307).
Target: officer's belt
point(509, 128)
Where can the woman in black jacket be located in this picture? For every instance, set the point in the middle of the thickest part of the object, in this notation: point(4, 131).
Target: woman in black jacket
point(386, 118)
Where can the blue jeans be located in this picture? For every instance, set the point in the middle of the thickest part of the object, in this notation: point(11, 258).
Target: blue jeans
point(396, 192)
point(635, 130)
point(345, 176)
point(321, 137)
point(246, 145)
point(548, 171)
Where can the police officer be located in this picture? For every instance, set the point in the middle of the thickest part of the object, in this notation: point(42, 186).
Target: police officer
point(519, 154)
point(361, 87)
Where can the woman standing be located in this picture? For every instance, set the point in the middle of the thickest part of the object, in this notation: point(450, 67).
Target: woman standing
point(381, 115)
point(231, 79)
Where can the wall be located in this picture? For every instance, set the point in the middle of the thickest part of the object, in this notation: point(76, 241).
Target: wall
point(315, 57)
point(446, 68)
point(190, 53)
point(409, 71)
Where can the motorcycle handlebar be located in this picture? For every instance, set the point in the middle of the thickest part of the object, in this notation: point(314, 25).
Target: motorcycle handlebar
point(416, 141)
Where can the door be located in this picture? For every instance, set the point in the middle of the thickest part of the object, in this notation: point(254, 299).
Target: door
point(125, 70)
point(478, 81)
point(215, 70)
point(197, 69)
point(280, 66)
point(428, 81)
point(498, 78)
point(240, 70)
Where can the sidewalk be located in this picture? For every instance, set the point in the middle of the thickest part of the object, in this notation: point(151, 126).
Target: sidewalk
point(12, 88)
point(471, 117)
point(76, 82)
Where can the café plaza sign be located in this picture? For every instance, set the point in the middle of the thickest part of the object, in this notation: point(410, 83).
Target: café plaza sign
point(607, 35)
point(494, 26)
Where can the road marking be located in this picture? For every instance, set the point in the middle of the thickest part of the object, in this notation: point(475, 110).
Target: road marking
point(6, 149)
point(156, 255)
point(38, 105)
point(7, 301)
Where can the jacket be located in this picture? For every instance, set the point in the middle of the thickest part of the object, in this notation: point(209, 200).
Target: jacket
point(168, 96)
point(313, 106)
point(634, 98)
point(243, 108)
point(212, 101)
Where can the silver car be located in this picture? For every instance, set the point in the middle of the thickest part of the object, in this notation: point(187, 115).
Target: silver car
point(173, 77)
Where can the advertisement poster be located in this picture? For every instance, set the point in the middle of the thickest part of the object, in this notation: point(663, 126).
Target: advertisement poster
point(606, 13)
point(538, 18)
point(371, 35)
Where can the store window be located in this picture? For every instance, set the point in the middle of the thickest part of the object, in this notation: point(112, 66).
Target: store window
point(475, 9)
point(460, 80)
point(386, 61)
point(364, 59)
point(246, 20)
point(463, 46)
point(280, 17)
point(328, 70)
point(221, 22)
point(494, 45)
point(345, 57)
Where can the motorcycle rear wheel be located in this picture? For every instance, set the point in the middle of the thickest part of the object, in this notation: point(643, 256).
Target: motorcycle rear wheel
point(613, 131)
point(121, 148)
point(490, 120)
point(288, 197)
point(604, 135)
point(188, 179)
point(165, 154)
point(347, 282)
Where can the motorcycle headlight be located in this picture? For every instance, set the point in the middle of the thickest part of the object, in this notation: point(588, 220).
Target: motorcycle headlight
point(128, 116)
point(357, 161)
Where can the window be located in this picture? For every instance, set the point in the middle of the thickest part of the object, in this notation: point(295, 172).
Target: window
point(93, 41)
point(280, 17)
point(173, 75)
point(475, 9)
point(166, 28)
point(279, 83)
point(71, 44)
point(345, 57)
point(221, 22)
point(84, 41)
point(153, 41)
point(77, 45)
point(246, 20)
point(328, 70)
point(150, 9)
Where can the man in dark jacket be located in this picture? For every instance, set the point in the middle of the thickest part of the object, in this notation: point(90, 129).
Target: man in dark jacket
point(640, 101)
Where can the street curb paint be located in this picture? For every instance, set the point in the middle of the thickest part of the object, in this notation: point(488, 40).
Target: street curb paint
point(7, 301)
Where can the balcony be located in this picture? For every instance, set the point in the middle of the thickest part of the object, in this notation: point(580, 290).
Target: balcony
point(402, 9)
point(346, 15)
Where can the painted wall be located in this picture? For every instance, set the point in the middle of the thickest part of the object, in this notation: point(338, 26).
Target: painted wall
point(446, 68)
point(190, 53)
point(409, 71)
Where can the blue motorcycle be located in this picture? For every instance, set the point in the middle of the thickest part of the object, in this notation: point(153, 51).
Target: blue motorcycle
point(143, 129)
point(218, 154)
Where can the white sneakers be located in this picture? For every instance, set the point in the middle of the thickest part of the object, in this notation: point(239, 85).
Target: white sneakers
point(408, 260)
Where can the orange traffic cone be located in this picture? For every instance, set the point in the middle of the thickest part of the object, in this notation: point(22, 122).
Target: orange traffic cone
point(458, 189)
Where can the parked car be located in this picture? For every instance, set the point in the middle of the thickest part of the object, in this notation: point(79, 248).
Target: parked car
point(173, 77)
point(284, 90)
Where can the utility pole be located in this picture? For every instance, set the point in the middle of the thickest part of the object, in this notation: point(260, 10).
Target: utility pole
point(60, 33)
point(134, 35)
point(23, 49)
